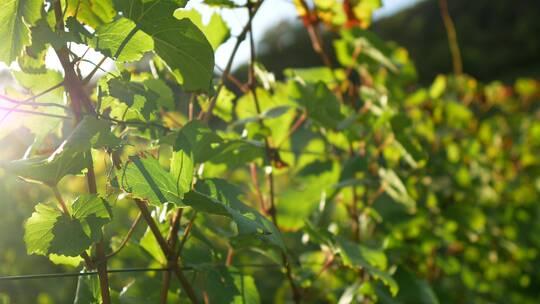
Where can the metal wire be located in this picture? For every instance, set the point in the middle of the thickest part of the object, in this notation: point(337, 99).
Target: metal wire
point(79, 274)
point(125, 270)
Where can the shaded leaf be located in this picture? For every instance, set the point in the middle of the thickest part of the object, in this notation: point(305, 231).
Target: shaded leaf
point(15, 18)
point(49, 231)
point(178, 42)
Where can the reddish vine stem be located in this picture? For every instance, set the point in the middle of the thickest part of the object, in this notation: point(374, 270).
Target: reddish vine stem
point(297, 124)
point(171, 240)
point(186, 234)
point(127, 237)
point(166, 250)
point(206, 115)
point(80, 99)
point(255, 181)
point(297, 294)
point(60, 200)
point(310, 22)
point(452, 37)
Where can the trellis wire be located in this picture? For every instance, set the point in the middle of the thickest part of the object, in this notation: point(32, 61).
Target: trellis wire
point(125, 270)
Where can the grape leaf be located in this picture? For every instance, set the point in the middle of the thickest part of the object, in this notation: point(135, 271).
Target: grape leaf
point(39, 82)
point(91, 132)
point(217, 196)
point(179, 43)
point(16, 17)
point(395, 188)
point(146, 179)
point(47, 170)
point(49, 231)
point(92, 12)
point(321, 104)
point(70, 157)
point(116, 40)
point(226, 285)
point(141, 97)
point(356, 255)
point(202, 141)
point(216, 31)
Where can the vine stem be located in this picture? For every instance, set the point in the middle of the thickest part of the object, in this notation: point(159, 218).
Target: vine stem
point(452, 37)
point(31, 103)
point(206, 115)
point(60, 200)
point(166, 250)
point(15, 110)
point(171, 239)
point(127, 237)
point(297, 295)
point(80, 100)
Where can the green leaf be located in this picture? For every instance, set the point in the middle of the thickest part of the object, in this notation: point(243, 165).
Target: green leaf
point(49, 231)
point(92, 12)
point(224, 105)
point(221, 3)
point(395, 188)
point(182, 164)
point(65, 260)
point(122, 41)
point(48, 170)
point(36, 83)
point(203, 142)
point(88, 290)
point(226, 285)
point(16, 17)
point(216, 196)
point(165, 96)
point(91, 133)
point(179, 43)
point(321, 104)
point(359, 256)
point(149, 243)
point(70, 157)
point(412, 289)
point(216, 31)
point(146, 179)
point(142, 97)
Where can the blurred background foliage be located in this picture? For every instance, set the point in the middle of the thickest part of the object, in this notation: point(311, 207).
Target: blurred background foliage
point(497, 39)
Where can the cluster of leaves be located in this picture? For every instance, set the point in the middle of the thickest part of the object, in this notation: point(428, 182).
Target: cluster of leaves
point(337, 184)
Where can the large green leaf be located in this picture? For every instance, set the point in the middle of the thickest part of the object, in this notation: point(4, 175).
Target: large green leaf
point(179, 43)
point(217, 196)
point(122, 41)
point(48, 170)
point(49, 231)
point(15, 18)
point(146, 179)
